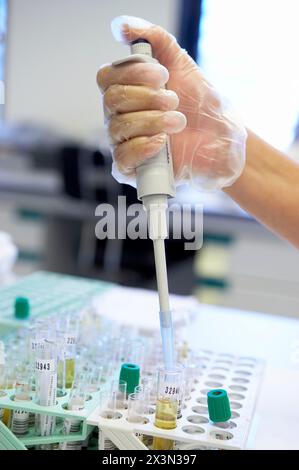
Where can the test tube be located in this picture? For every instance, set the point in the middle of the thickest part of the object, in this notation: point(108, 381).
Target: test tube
point(10, 381)
point(120, 388)
point(20, 418)
point(144, 391)
point(169, 384)
point(107, 405)
point(68, 340)
point(61, 365)
point(46, 386)
point(135, 352)
point(190, 375)
point(93, 379)
point(145, 388)
point(73, 425)
point(108, 411)
point(136, 408)
point(136, 414)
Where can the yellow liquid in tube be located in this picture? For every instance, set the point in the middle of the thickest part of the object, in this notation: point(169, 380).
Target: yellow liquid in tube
point(166, 418)
point(7, 413)
point(69, 372)
point(69, 368)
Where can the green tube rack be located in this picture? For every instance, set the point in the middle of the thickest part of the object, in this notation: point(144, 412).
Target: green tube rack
point(48, 293)
point(59, 411)
point(8, 441)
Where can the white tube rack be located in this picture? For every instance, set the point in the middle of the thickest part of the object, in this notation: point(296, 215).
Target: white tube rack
point(239, 376)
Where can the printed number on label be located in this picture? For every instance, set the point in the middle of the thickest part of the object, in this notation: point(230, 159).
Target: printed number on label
point(70, 340)
point(171, 390)
point(37, 345)
point(44, 365)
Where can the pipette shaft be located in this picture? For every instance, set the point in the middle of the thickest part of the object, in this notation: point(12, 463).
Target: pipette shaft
point(155, 183)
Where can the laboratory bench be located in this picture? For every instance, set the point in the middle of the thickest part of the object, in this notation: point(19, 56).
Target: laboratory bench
point(272, 339)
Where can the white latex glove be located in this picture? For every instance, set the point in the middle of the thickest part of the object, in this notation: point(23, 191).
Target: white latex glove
point(207, 140)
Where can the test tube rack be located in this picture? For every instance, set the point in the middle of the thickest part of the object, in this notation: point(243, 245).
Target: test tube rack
point(61, 413)
point(48, 293)
point(51, 293)
point(240, 376)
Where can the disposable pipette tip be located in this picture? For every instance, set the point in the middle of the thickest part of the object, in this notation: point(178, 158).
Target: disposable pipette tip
point(167, 338)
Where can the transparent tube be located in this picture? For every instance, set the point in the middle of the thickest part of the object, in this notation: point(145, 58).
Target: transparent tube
point(70, 338)
point(93, 378)
point(190, 376)
point(107, 405)
point(119, 387)
point(136, 408)
point(20, 418)
point(73, 425)
point(136, 414)
point(46, 386)
point(169, 384)
point(134, 352)
point(145, 389)
point(10, 381)
point(67, 340)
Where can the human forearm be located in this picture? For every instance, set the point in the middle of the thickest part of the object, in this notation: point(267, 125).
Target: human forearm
point(269, 188)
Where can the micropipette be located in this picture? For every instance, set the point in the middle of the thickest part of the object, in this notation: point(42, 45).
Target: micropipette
point(155, 183)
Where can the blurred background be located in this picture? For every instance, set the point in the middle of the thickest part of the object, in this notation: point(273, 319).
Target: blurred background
point(55, 163)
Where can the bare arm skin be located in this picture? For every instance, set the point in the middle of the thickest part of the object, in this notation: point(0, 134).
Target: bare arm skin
point(269, 188)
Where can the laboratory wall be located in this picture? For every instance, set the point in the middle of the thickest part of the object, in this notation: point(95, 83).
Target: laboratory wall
point(54, 51)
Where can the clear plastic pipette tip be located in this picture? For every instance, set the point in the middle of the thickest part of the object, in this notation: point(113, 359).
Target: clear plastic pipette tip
point(167, 338)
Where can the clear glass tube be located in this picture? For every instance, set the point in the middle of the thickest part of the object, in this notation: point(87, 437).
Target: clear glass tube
point(46, 386)
point(67, 340)
point(10, 381)
point(73, 425)
point(134, 352)
point(145, 390)
point(20, 418)
point(107, 404)
point(169, 385)
point(70, 338)
point(136, 408)
point(190, 375)
point(120, 387)
point(61, 366)
point(93, 379)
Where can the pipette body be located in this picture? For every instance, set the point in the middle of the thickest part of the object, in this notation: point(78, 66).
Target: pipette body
point(155, 184)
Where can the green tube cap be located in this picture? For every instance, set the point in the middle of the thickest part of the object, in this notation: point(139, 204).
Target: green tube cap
point(218, 405)
point(22, 308)
point(130, 373)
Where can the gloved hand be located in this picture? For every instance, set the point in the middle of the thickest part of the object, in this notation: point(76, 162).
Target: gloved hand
point(207, 142)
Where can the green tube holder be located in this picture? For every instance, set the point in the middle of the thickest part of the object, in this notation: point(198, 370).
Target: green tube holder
point(48, 294)
point(8, 441)
point(60, 411)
